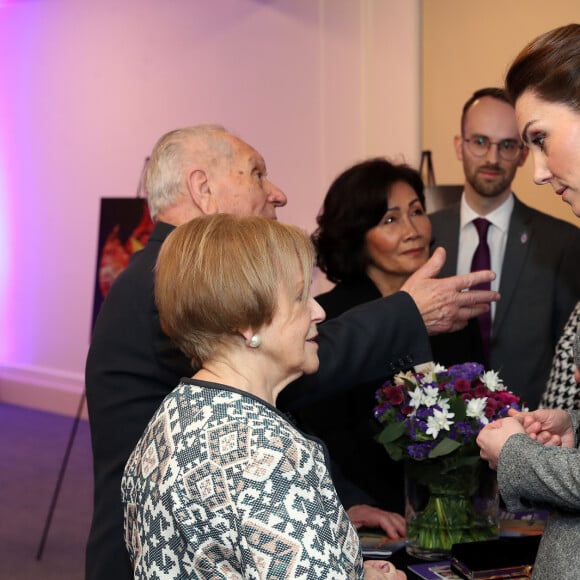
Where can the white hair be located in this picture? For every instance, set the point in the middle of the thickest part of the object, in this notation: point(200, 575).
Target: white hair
point(174, 154)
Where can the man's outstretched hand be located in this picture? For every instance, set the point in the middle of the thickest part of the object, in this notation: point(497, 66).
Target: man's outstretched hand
point(445, 303)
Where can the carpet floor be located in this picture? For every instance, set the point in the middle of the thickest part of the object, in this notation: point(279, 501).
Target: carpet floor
point(32, 447)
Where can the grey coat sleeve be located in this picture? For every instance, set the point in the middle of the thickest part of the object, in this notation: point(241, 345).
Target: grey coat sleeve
point(531, 475)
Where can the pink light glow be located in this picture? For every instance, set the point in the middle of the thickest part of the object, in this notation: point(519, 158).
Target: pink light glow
point(18, 27)
point(5, 262)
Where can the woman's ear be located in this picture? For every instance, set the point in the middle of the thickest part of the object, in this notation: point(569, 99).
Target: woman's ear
point(246, 334)
point(251, 337)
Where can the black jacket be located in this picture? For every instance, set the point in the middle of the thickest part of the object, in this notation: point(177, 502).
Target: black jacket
point(132, 366)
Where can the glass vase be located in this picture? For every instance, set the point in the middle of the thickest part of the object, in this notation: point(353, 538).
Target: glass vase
point(449, 503)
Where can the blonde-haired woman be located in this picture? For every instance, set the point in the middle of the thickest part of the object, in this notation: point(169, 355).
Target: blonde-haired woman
point(221, 484)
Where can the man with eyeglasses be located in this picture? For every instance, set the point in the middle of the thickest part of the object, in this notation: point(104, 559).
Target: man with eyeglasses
point(534, 255)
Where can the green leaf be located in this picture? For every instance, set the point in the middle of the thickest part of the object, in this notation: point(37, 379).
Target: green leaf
point(457, 405)
point(445, 447)
point(469, 460)
point(394, 451)
point(391, 432)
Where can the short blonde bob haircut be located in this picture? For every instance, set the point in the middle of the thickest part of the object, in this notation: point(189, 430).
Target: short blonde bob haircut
point(218, 275)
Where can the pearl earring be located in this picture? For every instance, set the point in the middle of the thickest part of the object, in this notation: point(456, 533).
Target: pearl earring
point(255, 341)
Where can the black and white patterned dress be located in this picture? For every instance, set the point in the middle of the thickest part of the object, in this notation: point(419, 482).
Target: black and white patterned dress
point(562, 391)
point(221, 485)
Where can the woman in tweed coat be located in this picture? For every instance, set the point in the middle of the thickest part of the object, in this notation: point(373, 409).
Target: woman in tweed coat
point(537, 454)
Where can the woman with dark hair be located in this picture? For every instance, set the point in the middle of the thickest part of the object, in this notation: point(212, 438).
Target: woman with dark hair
point(548, 70)
point(536, 454)
point(373, 233)
point(373, 227)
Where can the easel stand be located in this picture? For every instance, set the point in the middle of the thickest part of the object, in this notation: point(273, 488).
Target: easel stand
point(59, 481)
point(75, 425)
point(426, 168)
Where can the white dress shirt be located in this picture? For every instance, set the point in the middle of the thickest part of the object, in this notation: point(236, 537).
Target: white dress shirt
point(496, 238)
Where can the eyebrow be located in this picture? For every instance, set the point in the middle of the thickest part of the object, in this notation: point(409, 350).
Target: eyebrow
point(525, 136)
point(257, 161)
point(411, 203)
point(514, 138)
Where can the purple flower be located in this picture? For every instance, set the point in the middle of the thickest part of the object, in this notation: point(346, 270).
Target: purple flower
point(419, 450)
point(424, 413)
point(380, 410)
point(468, 371)
point(465, 429)
point(443, 391)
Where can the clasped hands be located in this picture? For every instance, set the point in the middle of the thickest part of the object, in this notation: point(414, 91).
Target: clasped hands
point(551, 427)
point(444, 303)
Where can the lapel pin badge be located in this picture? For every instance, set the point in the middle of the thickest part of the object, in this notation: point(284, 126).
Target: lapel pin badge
point(524, 238)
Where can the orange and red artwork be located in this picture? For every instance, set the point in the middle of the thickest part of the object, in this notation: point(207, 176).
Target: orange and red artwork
point(125, 226)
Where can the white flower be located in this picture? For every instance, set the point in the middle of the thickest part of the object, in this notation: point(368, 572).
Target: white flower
point(430, 376)
point(492, 381)
point(476, 409)
point(430, 395)
point(416, 397)
point(443, 403)
point(439, 420)
point(400, 378)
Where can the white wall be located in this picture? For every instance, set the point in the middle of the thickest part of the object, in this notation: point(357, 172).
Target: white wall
point(88, 87)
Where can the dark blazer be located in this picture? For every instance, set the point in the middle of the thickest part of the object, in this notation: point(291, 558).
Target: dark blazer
point(539, 287)
point(131, 366)
point(362, 470)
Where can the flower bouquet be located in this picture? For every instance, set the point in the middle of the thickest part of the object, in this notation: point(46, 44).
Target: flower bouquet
point(431, 421)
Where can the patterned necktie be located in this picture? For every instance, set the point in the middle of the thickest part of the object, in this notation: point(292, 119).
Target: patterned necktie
point(482, 261)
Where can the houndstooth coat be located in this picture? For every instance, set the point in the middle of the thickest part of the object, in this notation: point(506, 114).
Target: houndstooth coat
point(562, 391)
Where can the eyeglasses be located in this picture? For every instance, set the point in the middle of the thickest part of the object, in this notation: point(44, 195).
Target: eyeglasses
point(507, 149)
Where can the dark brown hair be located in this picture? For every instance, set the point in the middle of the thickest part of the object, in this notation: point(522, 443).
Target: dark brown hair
point(550, 67)
point(355, 203)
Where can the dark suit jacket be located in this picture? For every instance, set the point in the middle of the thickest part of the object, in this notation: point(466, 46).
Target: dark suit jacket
point(362, 470)
point(539, 287)
point(132, 366)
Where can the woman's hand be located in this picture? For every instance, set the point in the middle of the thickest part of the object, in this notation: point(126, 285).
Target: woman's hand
point(382, 570)
point(547, 426)
point(492, 438)
point(367, 516)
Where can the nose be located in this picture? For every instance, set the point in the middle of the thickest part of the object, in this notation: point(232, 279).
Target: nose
point(276, 196)
point(542, 173)
point(492, 154)
point(318, 315)
point(411, 231)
